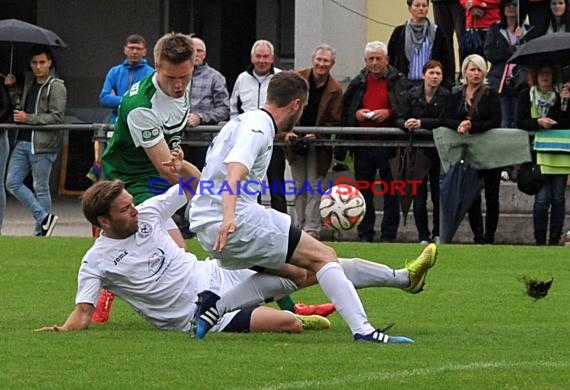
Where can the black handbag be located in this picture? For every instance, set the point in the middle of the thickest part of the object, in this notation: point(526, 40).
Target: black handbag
point(530, 179)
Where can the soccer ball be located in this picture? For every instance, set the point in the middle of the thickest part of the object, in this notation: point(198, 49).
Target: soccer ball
point(343, 207)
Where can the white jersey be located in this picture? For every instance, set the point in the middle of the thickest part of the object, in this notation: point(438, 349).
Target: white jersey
point(147, 270)
point(246, 139)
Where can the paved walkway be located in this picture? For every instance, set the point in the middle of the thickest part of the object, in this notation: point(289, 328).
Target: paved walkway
point(19, 222)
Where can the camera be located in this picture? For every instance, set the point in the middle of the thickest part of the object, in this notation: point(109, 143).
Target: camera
point(300, 145)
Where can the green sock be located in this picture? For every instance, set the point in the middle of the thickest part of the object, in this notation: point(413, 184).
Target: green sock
point(286, 303)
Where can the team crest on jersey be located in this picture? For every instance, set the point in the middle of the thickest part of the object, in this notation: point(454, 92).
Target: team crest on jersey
point(145, 229)
point(156, 261)
point(148, 135)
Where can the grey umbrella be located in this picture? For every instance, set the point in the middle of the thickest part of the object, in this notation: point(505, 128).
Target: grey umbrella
point(553, 48)
point(14, 30)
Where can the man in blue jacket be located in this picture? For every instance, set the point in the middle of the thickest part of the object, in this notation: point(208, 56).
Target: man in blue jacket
point(121, 77)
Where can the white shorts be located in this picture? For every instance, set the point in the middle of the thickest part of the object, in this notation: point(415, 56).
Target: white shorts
point(261, 239)
point(223, 280)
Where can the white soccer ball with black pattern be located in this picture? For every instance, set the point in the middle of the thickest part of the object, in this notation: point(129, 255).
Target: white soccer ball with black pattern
point(343, 207)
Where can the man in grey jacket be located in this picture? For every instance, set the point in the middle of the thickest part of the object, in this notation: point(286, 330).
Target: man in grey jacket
point(41, 102)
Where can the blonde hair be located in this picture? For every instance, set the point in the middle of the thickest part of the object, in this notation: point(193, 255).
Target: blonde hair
point(478, 61)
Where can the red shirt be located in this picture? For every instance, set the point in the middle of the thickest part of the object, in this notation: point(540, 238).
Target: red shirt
point(376, 97)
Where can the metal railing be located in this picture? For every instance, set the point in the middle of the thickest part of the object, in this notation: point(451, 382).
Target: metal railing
point(387, 136)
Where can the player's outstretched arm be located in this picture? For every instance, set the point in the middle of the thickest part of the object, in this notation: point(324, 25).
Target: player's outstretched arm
point(236, 173)
point(79, 319)
point(185, 170)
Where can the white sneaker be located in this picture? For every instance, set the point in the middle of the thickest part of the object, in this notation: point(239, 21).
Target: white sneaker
point(424, 242)
point(505, 176)
point(436, 240)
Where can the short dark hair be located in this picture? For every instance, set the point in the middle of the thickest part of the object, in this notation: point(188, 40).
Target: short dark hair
point(175, 48)
point(36, 50)
point(136, 38)
point(286, 86)
point(430, 65)
point(97, 200)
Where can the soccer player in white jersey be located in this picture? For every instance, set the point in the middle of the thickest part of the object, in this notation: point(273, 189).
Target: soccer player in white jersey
point(136, 259)
point(243, 234)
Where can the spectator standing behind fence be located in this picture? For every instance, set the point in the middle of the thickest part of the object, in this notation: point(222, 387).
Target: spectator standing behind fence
point(416, 42)
point(371, 100)
point(479, 16)
point(557, 17)
point(422, 109)
point(501, 41)
point(5, 111)
point(449, 15)
point(250, 93)
point(209, 102)
point(311, 163)
point(121, 77)
point(473, 109)
point(539, 109)
point(42, 101)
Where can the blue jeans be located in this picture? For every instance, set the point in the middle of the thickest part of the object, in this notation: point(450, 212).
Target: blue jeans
point(21, 163)
point(551, 195)
point(4, 150)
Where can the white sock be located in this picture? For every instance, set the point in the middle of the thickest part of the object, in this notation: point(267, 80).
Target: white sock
point(364, 273)
point(257, 289)
point(343, 295)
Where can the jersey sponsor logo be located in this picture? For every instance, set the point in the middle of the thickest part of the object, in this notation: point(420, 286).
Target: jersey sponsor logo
point(148, 135)
point(155, 261)
point(134, 89)
point(120, 256)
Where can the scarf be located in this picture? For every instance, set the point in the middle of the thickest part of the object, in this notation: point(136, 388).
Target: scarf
point(540, 103)
point(416, 34)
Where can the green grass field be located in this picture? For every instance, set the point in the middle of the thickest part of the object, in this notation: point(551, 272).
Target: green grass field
point(474, 329)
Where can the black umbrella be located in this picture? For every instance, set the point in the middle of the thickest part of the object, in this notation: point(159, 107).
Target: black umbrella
point(553, 48)
point(409, 163)
point(14, 30)
point(459, 187)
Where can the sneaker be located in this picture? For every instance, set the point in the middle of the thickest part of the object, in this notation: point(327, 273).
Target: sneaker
point(436, 240)
point(323, 310)
point(314, 322)
point(424, 242)
point(48, 224)
point(206, 314)
point(419, 267)
point(380, 337)
point(505, 176)
point(103, 308)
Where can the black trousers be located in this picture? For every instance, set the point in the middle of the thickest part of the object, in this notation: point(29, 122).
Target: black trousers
point(368, 161)
point(491, 182)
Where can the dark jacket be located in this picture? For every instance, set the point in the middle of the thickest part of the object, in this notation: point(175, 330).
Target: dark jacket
point(486, 116)
point(328, 114)
point(498, 50)
point(5, 105)
point(416, 106)
point(440, 51)
point(525, 122)
point(352, 99)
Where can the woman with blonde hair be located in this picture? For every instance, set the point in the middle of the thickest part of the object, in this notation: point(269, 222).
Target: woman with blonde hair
point(473, 109)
